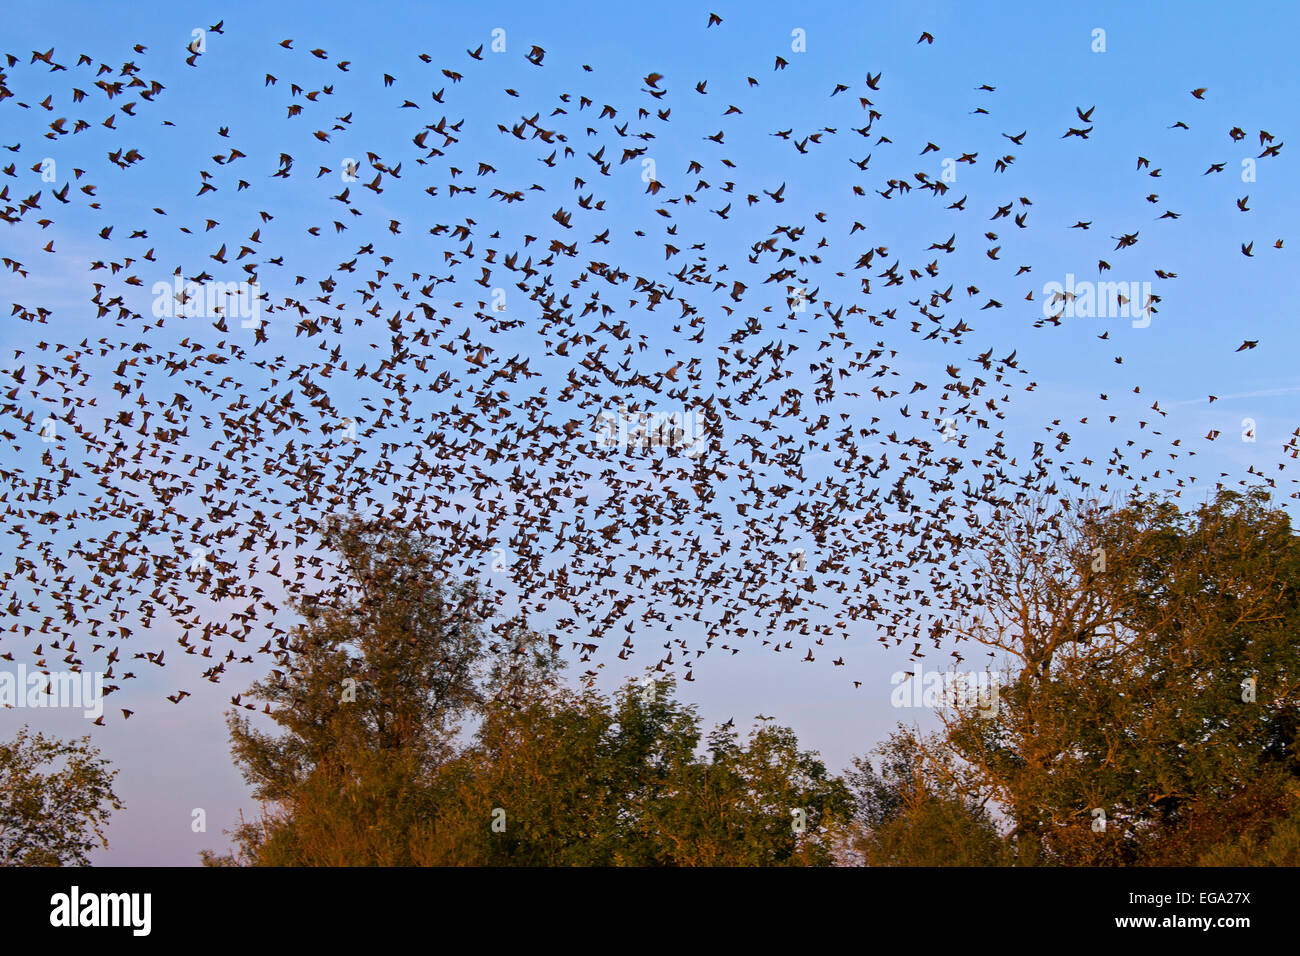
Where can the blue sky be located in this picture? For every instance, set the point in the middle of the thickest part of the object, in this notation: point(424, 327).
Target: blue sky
point(1041, 61)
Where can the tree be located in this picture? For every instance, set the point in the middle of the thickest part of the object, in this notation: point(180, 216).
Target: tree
point(1280, 847)
point(918, 811)
point(371, 693)
point(55, 799)
point(1155, 694)
point(578, 779)
point(763, 803)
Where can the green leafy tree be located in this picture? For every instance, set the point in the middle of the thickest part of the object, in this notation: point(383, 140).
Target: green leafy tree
point(578, 779)
point(375, 764)
point(1156, 694)
point(1280, 846)
point(55, 799)
point(371, 694)
point(920, 808)
point(765, 802)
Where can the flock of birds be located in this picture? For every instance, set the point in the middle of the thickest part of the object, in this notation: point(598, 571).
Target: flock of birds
point(448, 366)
